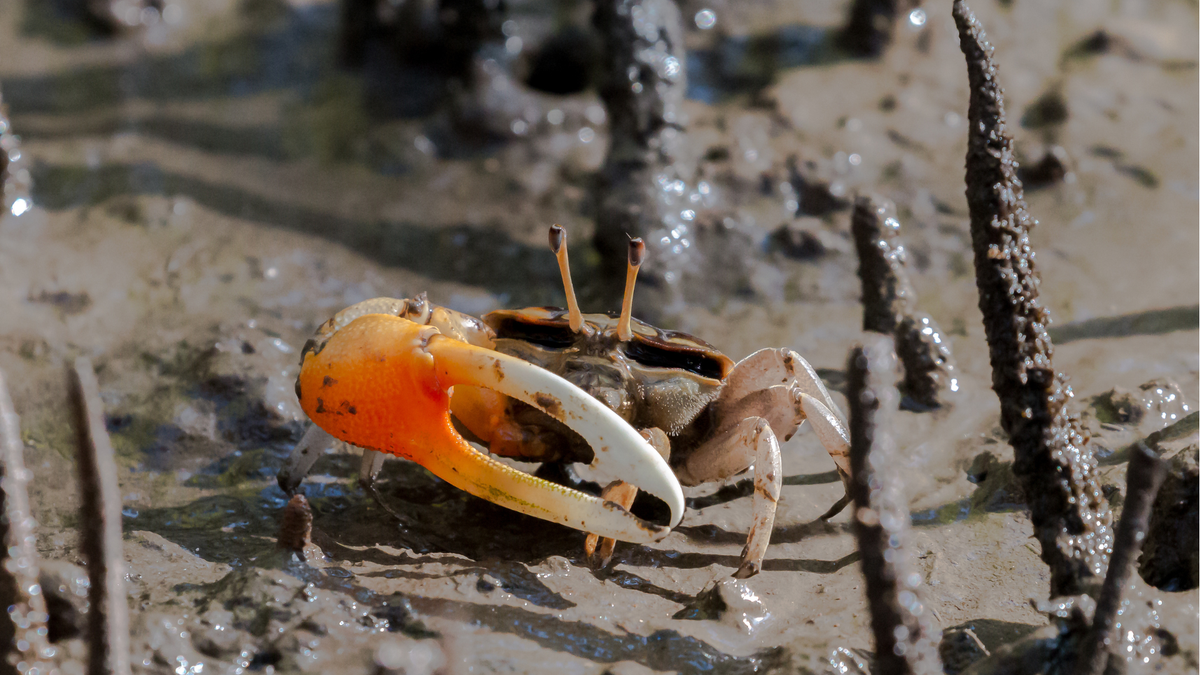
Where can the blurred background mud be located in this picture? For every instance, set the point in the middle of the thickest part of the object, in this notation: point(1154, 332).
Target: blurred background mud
point(192, 187)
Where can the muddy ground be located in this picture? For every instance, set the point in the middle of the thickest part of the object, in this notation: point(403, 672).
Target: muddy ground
point(210, 188)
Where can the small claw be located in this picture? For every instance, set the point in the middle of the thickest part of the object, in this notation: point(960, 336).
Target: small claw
point(383, 382)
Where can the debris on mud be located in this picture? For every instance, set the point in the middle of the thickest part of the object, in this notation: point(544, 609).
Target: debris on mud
point(1053, 168)
point(868, 30)
point(295, 526)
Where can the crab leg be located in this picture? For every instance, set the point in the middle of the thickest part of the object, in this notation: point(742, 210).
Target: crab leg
point(300, 462)
point(768, 481)
point(599, 550)
point(830, 431)
point(750, 441)
point(383, 383)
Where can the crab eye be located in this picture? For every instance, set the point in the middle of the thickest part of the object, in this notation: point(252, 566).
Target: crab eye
point(550, 335)
point(656, 356)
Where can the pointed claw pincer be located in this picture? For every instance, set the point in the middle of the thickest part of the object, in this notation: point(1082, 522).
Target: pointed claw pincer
point(384, 383)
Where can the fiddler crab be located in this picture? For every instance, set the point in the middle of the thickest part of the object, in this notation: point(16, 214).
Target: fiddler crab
point(655, 408)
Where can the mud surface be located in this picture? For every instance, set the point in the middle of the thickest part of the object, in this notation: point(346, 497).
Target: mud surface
point(208, 190)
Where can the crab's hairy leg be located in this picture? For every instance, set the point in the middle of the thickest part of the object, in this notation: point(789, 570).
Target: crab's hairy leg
point(836, 441)
point(768, 481)
point(726, 454)
point(306, 453)
point(383, 382)
point(756, 387)
point(599, 549)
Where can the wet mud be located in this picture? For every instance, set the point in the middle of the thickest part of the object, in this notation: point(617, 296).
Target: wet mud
point(190, 195)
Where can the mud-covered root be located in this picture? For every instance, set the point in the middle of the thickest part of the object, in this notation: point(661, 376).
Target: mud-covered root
point(905, 642)
point(889, 305)
point(1146, 472)
point(25, 635)
point(1053, 462)
point(100, 524)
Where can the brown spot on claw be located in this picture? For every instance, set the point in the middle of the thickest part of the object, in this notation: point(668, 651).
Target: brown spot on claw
point(499, 369)
point(552, 406)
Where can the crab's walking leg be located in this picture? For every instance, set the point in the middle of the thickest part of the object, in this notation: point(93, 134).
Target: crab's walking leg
point(300, 462)
point(755, 387)
point(768, 480)
point(368, 471)
point(730, 452)
point(599, 549)
point(310, 448)
point(383, 382)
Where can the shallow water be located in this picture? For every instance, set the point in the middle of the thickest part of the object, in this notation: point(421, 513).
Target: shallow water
point(207, 191)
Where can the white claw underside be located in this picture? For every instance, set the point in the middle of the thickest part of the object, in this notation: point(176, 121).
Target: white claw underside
point(619, 449)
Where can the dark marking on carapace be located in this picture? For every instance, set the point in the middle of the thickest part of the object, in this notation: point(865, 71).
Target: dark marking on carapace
point(328, 382)
point(320, 405)
point(348, 408)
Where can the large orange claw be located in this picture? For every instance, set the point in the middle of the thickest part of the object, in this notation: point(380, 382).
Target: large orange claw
point(383, 382)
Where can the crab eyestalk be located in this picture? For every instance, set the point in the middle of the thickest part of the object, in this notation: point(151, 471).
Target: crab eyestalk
point(384, 383)
point(558, 244)
point(637, 253)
